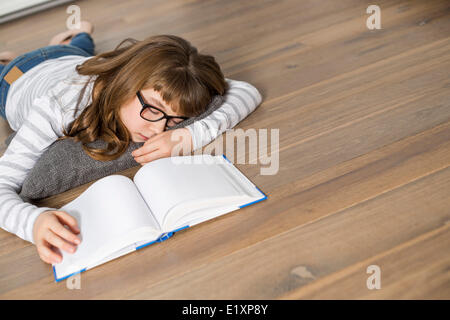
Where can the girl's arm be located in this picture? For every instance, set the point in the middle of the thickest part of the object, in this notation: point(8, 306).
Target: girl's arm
point(33, 137)
point(240, 100)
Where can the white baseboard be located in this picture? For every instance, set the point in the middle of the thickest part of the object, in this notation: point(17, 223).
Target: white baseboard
point(10, 10)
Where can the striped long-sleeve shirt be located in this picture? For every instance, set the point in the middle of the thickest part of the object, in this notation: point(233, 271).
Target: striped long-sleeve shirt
point(42, 102)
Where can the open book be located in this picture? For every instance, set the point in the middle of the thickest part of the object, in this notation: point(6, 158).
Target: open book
point(117, 215)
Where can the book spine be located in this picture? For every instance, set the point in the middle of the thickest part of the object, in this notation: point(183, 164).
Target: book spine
point(162, 238)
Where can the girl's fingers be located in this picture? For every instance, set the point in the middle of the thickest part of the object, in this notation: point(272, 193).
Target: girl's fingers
point(59, 242)
point(156, 154)
point(68, 220)
point(63, 232)
point(49, 255)
point(146, 148)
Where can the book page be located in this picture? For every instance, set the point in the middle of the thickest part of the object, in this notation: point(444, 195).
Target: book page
point(111, 209)
point(164, 184)
point(199, 216)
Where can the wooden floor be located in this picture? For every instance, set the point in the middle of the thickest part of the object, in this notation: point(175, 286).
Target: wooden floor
point(364, 176)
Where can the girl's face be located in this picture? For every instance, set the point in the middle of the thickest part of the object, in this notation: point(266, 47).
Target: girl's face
point(139, 128)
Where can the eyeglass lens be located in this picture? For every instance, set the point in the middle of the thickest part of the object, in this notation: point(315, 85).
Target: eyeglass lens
point(153, 114)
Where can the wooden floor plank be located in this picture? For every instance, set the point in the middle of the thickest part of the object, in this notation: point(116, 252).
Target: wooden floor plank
point(353, 97)
point(322, 61)
point(273, 267)
point(416, 269)
point(357, 138)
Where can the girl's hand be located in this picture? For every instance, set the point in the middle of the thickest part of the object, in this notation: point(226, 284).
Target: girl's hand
point(49, 233)
point(165, 144)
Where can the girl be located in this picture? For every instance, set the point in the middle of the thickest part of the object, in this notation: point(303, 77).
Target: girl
point(136, 92)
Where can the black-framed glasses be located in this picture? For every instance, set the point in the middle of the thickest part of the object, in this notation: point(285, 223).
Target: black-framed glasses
point(154, 114)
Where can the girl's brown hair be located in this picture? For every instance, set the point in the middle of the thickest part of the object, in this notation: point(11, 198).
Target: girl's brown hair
point(185, 79)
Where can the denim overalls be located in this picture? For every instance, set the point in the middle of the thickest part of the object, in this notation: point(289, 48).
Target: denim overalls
point(80, 45)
